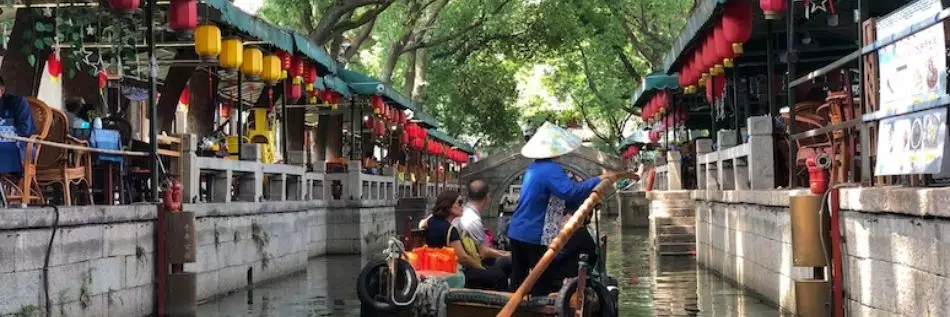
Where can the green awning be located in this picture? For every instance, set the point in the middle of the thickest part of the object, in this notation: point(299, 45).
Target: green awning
point(451, 141)
point(697, 21)
point(315, 52)
point(239, 19)
point(654, 81)
point(333, 83)
point(368, 86)
point(425, 119)
point(638, 137)
point(360, 83)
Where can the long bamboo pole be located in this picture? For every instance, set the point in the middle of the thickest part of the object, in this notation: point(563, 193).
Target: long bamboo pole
point(573, 224)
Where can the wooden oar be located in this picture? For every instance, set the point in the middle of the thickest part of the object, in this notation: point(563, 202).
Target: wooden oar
point(573, 224)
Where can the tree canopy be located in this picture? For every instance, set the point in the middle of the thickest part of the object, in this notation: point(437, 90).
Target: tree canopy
point(471, 63)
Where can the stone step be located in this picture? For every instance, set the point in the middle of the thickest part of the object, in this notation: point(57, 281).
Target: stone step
point(672, 212)
point(675, 238)
point(676, 221)
point(676, 249)
point(674, 229)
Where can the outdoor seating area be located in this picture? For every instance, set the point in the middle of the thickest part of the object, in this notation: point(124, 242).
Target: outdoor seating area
point(240, 110)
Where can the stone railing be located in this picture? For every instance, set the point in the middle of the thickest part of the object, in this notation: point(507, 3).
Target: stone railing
point(738, 167)
point(248, 180)
point(667, 172)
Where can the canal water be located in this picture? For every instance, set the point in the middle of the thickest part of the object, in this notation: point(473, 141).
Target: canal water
point(651, 286)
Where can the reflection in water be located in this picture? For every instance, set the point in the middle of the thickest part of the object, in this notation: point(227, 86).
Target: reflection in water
point(667, 286)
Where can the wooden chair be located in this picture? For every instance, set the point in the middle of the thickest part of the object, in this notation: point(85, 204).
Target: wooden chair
point(28, 190)
point(61, 166)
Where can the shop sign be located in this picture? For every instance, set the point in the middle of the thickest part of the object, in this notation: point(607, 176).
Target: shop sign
point(912, 144)
point(912, 71)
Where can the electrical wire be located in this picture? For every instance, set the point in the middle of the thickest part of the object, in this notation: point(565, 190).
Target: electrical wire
point(49, 250)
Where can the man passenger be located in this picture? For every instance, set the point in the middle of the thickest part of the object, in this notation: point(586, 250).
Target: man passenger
point(471, 223)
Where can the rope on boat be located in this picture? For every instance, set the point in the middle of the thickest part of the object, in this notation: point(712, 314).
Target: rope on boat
point(430, 299)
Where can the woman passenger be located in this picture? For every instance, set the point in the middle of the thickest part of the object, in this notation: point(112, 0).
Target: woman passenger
point(441, 233)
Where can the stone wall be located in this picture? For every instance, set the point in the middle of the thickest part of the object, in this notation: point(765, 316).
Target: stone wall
point(893, 257)
point(102, 258)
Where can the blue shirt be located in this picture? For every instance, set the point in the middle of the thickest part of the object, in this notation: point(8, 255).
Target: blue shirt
point(15, 108)
point(542, 179)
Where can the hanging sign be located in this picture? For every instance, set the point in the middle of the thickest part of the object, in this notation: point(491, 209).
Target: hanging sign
point(912, 71)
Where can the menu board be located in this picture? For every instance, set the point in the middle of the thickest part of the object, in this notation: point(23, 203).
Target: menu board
point(914, 69)
point(912, 144)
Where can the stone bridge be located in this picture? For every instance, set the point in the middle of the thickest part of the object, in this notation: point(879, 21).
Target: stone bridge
point(504, 169)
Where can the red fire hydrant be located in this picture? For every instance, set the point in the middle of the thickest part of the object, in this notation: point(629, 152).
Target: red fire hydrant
point(818, 173)
point(172, 199)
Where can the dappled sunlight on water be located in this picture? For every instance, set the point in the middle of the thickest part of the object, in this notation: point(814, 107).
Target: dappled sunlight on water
point(665, 286)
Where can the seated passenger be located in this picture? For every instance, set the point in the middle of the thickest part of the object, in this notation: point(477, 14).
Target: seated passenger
point(441, 233)
point(471, 224)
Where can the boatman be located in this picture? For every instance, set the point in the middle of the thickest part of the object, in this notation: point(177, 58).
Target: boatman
point(543, 179)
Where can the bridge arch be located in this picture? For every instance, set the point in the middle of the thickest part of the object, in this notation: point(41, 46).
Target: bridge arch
point(505, 169)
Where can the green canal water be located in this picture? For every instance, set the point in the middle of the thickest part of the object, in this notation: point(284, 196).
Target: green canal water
point(664, 286)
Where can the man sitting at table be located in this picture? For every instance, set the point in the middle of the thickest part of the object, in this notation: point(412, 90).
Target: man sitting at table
point(15, 111)
point(76, 109)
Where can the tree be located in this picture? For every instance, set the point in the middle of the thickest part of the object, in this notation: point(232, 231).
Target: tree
point(342, 26)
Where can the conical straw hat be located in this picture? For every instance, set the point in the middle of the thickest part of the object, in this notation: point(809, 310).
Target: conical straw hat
point(550, 141)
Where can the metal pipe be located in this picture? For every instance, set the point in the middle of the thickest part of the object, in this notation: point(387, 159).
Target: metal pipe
point(240, 113)
point(712, 114)
point(152, 103)
point(790, 92)
point(866, 178)
point(63, 5)
point(160, 266)
point(166, 44)
point(283, 125)
point(735, 105)
point(770, 70)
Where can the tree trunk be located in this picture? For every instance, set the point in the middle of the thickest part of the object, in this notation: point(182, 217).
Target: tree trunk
point(392, 57)
point(410, 84)
point(420, 83)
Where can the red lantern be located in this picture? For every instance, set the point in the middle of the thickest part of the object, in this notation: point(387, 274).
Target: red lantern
point(225, 111)
point(294, 93)
point(714, 88)
point(773, 9)
point(737, 24)
point(185, 96)
point(297, 67)
point(709, 55)
point(404, 137)
point(310, 73)
point(54, 67)
point(103, 80)
point(417, 144)
point(376, 102)
point(124, 6)
point(285, 60)
point(183, 15)
point(723, 47)
point(368, 122)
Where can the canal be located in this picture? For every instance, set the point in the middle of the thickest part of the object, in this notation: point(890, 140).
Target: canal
point(664, 286)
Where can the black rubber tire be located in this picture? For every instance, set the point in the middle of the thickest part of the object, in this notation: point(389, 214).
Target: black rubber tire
point(562, 304)
point(368, 282)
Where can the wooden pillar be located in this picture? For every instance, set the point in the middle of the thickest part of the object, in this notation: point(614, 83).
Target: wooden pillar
point(334, 136)
point(320, 141)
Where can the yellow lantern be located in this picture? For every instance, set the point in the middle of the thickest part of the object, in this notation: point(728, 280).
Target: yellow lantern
point(271, 72)
point(253, 62)
point(232, 54)
point(208, 42)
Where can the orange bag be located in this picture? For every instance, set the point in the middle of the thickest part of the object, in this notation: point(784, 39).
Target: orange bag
point(433, 259)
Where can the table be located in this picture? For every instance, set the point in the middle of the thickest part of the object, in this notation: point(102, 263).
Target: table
point(108, 139)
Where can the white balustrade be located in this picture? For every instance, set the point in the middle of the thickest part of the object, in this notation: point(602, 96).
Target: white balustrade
point(738, 167)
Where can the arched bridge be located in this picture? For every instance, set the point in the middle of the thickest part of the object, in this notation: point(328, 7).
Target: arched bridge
point(503, 172)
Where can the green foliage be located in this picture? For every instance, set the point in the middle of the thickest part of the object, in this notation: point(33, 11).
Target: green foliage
point(476, 98)
point(595, 51)
point(28, 311)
